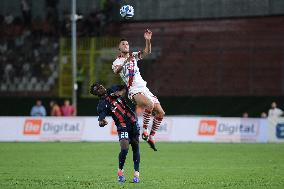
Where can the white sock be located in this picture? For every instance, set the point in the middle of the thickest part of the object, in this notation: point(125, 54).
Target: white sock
point(136, 173)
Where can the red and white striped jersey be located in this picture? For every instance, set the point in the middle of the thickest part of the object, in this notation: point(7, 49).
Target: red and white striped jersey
point(130, 73)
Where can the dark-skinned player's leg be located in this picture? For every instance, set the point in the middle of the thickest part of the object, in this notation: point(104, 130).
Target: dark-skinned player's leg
point(124, 145)
point(136, 157)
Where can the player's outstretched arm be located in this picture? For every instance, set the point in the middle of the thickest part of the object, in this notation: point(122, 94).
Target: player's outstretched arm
point(148, 37)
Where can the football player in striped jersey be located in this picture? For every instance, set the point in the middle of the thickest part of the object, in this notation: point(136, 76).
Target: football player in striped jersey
point(112, 103)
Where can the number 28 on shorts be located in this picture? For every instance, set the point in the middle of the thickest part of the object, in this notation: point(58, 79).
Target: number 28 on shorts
point(123, 135)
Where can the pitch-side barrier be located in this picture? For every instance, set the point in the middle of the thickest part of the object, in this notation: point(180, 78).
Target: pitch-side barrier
point(173, 128)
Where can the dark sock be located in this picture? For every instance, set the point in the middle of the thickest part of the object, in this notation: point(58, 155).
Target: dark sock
point(136, 157)
point(122, 158)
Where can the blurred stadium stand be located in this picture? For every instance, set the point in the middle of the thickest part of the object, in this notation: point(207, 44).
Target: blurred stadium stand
point(215, 57)
point(220, 57)
point(28, 63)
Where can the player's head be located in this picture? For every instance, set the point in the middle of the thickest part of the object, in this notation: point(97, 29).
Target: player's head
point(123, 46)
point(97, 89)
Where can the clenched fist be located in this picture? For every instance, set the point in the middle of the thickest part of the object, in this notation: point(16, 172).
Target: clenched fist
point(103, 123)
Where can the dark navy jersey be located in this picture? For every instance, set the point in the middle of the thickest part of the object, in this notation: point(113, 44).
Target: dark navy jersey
point(116, 107)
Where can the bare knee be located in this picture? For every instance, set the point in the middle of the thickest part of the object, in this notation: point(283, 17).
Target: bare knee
point(160, 114)
point(124, 144)
point(150, 106)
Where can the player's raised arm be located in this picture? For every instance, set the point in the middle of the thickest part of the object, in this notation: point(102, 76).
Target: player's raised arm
point(147, 36)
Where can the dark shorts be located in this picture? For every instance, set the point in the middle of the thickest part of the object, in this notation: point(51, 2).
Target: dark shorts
point(129, 133)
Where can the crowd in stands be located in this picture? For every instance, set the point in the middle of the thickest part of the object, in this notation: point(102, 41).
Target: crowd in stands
point(28, 62)
point(273, 112)
point(29, 46)
point(66, 109)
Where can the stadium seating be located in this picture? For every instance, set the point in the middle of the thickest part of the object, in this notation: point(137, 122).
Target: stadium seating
point(28, 62)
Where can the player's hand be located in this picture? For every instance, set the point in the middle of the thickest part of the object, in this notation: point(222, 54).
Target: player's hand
point(147, 34)
point(103, 123)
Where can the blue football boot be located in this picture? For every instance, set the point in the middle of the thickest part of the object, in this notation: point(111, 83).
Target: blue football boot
point(136, 178)
point(120, 176)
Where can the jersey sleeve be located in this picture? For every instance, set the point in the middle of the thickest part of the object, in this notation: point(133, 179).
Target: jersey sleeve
point(102, 110)
point(116, 63)
point(137, 55)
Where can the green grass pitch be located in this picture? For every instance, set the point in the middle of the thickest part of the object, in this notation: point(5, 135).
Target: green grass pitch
point(174, 165)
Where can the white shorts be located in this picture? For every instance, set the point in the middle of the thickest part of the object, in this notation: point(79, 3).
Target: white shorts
point(142, 90)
